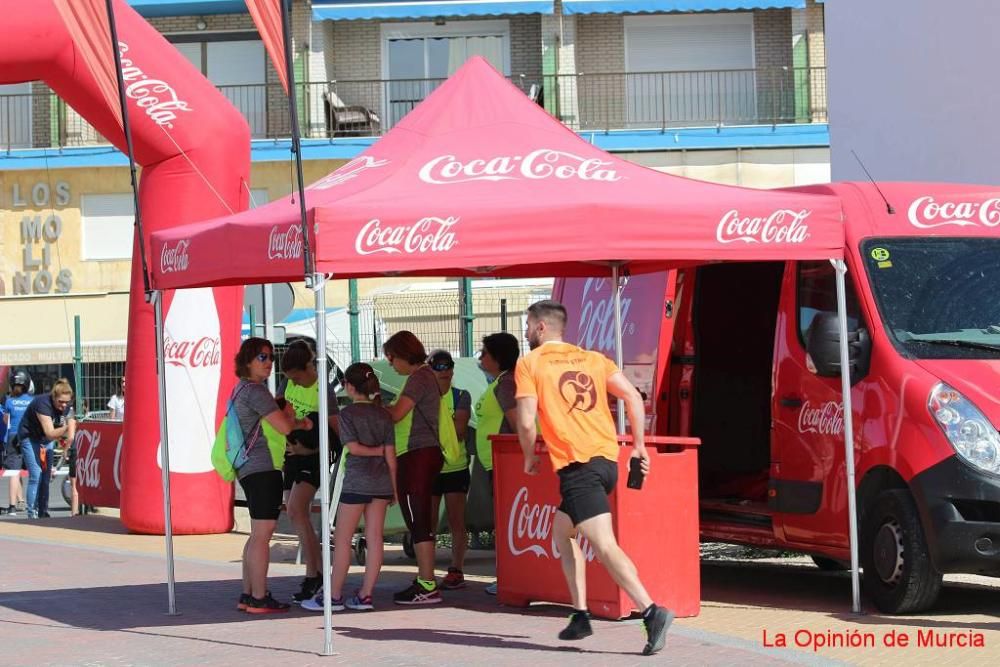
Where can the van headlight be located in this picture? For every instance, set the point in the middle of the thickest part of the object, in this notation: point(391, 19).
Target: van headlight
point(967, 429)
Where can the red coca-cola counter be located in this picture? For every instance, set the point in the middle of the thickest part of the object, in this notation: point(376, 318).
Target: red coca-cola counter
point(99, 462)
point(657, 527)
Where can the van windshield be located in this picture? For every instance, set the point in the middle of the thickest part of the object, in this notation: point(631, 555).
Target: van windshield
point(939, 297)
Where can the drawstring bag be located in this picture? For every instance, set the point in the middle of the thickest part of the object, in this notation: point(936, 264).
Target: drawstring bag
point(231, 449)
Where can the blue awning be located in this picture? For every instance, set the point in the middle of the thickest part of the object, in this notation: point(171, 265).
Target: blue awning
point(655, 6)
point(151, 8)
point(346, 10)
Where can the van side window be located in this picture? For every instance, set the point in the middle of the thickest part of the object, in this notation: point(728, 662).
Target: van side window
point(817, 293)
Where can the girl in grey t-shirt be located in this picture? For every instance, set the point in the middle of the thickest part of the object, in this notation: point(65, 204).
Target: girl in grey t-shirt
point(369, 486)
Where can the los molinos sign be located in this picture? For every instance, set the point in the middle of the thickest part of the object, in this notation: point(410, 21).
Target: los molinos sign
point(39, 233)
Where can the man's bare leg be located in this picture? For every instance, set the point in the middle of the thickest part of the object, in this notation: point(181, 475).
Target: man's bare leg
point(571, 559)
point(601, 535)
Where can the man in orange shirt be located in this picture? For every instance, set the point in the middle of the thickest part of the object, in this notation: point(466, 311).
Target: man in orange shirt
point(567, 388)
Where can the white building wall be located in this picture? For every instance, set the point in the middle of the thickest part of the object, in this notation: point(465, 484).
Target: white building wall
point(912, 87)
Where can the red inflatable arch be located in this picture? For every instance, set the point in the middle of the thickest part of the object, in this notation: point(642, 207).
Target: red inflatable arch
point(194, 147)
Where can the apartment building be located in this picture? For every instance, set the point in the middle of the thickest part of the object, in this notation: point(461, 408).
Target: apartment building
point(731, 91)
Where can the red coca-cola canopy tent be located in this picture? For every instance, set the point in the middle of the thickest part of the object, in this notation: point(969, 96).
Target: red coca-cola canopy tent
point(478, 180)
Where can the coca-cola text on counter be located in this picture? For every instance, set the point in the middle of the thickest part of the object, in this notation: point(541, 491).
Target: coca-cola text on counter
point(529, 529)
point(781, 226)
point(927, 213)
point(425, 235)
point(539, 164)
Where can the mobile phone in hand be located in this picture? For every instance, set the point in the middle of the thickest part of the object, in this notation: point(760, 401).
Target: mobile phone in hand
point(635, 474)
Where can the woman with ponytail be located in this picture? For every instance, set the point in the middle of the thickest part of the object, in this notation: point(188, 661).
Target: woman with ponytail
point(369, 487)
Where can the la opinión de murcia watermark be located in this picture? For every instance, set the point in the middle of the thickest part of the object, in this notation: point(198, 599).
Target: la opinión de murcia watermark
point(854, 638)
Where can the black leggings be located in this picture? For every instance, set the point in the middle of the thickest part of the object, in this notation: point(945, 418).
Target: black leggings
point(416, 472)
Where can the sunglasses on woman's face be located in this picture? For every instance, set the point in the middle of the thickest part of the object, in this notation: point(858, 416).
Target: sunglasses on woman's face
point(443, 365)
point(264, 356)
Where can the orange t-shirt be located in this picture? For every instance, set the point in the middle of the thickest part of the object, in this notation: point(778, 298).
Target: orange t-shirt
point(571, 385)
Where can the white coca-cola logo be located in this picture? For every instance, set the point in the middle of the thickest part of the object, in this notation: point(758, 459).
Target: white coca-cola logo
point(529, 529)
point(348, 171)
point(174, 259)
point(781, 226)
point(927, 213)
point(88, 467)
point(200, 353)
point(157, 98)
point(540, 164)
point(597, 316)
point(426, 235)
point(285, 244)
point(825, 419)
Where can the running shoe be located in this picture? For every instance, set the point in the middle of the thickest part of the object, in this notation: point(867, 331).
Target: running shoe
point(266, 605)
point(244, 601)
point(655, 625)
point(22, 505)
point(309, 588)
point(492, 589)
point(578, 628)
point(416, 594)
point(316, 604)
point(454, 579)
point(359, 603)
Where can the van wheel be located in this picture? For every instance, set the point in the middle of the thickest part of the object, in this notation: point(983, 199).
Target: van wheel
point(898, 574)
point(830, 564)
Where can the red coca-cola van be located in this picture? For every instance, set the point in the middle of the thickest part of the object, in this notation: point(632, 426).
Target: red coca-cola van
point(745, 356)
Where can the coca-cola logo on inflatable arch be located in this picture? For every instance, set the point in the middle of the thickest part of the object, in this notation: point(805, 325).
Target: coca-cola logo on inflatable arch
point(928, 213)
point(157, 98)
point(201, 353)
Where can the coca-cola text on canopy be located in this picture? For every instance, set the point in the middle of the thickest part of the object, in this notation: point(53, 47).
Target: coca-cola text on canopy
point(426, 235)
point(927, 213)
point(539, 164)
point(781, 226)
point(285, 244)
point(175, 258)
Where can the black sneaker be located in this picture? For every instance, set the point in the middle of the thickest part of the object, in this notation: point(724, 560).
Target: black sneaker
point(245, 599)
point(578, 628)
point(266, 605)
point(656, 626)
point(417, 594)
point(310, 586)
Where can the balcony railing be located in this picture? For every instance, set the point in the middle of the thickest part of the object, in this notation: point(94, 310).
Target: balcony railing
point(584, 102)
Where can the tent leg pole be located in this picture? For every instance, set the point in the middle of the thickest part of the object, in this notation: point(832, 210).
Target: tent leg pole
point(616, 279)
point(845, 383)
point(319, 291)
point(168, 529)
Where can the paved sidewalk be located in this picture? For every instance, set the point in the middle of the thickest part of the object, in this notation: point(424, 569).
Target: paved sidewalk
point(94, 596)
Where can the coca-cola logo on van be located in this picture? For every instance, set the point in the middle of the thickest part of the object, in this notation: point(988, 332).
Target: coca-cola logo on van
point(928, 213)
point(529, 529)
point(175, 258)
point(285, 244)
point(597, 316)
point(88, 465)
point(200, 353)
point(825, 419)
point(425, 235)
point(781, 226)
point(348, 171)
point(536, 165)
point(156, 98)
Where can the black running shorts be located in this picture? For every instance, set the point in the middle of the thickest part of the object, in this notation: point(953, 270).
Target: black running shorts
point(584, 488)
point(452, 482)
point(263, 491)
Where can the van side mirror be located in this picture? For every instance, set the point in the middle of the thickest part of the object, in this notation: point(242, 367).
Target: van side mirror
point(823, 346)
